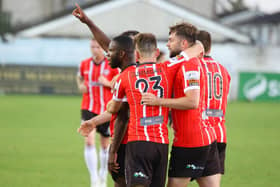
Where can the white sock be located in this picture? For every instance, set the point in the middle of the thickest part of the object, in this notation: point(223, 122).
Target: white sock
point(103, 155)
point(91, 162)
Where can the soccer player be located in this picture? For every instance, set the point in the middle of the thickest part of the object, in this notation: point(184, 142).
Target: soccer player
point(115, 166)
point(218, 83)
point(93, 81)
point(147, 147)
point(92, 27)
point(117, 149)
point(194, 153)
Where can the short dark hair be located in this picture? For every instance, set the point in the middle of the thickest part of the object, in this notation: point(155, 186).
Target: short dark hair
point(130, 33)
point(205, 39)
point(145, 42)
point(185, 30)
point(124, 43)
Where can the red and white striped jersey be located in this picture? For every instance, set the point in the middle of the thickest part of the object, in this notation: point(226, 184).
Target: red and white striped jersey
point(147, 123)
point(189, 126)
point(218, 83)
point(95, 100)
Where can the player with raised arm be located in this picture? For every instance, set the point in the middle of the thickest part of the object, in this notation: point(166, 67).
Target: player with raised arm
point(115, 165)
point(194, 153)
point(218, 83)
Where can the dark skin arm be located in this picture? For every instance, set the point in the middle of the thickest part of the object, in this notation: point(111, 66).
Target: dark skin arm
point(98, 34)
point(120, 128)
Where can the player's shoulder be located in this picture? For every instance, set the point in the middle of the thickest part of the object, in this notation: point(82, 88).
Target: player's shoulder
point(86, 61)
point(128, 70)
point(192, 62)
point(176, 59)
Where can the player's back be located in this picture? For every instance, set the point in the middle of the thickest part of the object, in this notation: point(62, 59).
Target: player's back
point(147, 123)
point(189, 127)
point(218, 81)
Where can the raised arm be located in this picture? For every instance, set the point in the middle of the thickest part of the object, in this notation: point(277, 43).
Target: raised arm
point(98, 34)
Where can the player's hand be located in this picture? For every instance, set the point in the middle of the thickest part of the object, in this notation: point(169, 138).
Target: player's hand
point(150, 99)
point(114, 80)
point(102, 80)
point(113, 166)
point(83, 88)
point(86, 127)
point(79, 13)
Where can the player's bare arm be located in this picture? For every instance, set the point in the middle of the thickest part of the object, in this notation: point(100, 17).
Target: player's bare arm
point(189, 101)
point(98, 34)
point(120, 128)
point(81, 85)
point(105, 82)
point(113, 106)
point(87, 126)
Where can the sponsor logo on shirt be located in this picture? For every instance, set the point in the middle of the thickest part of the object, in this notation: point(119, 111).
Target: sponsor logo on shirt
point(106, 72)
point(214, 113)
point(151, 120)
point(95, 84)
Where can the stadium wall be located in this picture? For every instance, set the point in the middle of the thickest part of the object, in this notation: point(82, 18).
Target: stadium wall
point(50, 65)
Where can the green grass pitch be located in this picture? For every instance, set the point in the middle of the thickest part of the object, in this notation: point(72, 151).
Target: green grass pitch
point(39, 145)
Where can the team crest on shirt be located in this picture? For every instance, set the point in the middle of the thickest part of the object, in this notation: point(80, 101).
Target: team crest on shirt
point(106, 72)
point(177, 58)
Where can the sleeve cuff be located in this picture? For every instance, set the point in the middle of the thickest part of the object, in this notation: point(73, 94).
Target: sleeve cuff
point(191, 88)
point(117, 99)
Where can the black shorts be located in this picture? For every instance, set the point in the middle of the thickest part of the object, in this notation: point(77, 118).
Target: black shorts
point(120, 161)
point(194, 162)
point(146, 163)
point(102, 129)
point(222, 156)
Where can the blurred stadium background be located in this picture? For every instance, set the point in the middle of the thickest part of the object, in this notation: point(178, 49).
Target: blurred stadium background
point(42, 45)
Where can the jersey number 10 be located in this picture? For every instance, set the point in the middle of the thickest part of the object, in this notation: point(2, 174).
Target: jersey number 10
point(213, 82)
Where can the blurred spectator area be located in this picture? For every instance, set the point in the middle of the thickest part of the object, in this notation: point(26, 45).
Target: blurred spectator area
point(41, 66)
point(48, 43)
point(27, 12)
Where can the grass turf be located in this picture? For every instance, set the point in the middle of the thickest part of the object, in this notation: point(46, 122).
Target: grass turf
point(39, 145)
